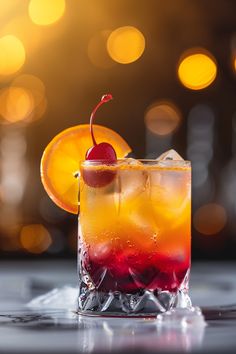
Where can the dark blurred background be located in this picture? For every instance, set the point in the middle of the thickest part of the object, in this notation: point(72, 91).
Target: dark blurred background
point(171, 67)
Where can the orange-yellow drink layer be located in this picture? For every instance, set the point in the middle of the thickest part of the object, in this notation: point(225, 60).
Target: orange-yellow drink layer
point(138, 225)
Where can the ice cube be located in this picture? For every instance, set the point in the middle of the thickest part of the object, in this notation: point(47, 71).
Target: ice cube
point(170, 195)
point(58, 298)
point(131, 181)
point(101, 251)
point(182, 317)
point(131, 161)
point(170, 155)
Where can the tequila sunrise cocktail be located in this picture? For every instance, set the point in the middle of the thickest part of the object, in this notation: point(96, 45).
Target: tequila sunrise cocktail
point(134, 220)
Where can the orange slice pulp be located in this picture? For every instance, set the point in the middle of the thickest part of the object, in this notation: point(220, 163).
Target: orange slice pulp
point(61, 160)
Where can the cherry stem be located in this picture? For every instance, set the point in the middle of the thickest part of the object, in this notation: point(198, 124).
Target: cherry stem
point(105, 98)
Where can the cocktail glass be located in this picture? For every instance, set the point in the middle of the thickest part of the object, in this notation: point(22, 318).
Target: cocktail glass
point(134, 237)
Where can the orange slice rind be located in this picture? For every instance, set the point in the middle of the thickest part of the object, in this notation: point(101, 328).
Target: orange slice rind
point(61, 160)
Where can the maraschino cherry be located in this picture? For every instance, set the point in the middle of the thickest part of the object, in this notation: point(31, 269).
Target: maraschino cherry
point(103, 152)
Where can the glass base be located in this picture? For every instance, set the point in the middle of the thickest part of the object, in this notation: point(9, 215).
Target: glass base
point(145, 303)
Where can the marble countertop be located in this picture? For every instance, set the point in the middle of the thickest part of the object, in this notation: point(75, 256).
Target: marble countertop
point(54, 330)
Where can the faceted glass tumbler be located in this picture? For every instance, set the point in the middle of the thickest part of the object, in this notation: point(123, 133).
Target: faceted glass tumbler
point(134, 238)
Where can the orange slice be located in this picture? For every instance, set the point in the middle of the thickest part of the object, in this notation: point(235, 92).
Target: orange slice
point(61, 160)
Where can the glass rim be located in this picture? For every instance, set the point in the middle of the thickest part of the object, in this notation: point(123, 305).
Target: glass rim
point(145, 162)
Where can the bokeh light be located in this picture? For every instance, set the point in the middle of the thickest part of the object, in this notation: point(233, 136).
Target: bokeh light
point(11, 188)
point(35, 238)
point(39, 110)
point(13, 144)
point(13, 167)
point(12, 55)
point(24, 100)
point(234, 63)
point(197, 69)
point(31, 83)
point(200, 137)
point(16, 104)
point(97, 51)
point(210, 219)
point(162, 118)
point(36, 87)
point(31, 36)
point(46, 12)
point(126, 44)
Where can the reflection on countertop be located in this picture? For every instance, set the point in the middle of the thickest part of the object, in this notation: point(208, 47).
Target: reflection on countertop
point(59, 330)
